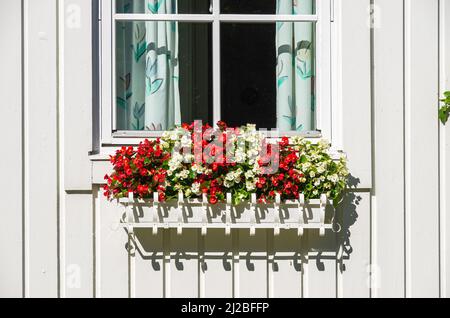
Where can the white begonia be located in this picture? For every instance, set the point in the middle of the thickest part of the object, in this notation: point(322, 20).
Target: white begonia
point(186, 141)
point(316, 192)
point(187, 192)
point(183, 174)
point(333, 178)
point(312, 174)
point(228, 184)
point(305, 166)
point(321, 168)
point(317, 182)
point(249, 174)
point(250, 185)
point(229, 176)
point(196, 188)
point(164, 144)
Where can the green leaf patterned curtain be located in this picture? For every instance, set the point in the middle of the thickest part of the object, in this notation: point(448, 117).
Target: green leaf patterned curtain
point(148, 96)
point(295, 67)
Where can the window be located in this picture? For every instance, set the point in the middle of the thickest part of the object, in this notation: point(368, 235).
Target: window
point(165, 62)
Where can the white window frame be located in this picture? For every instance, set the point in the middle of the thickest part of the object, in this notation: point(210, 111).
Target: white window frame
point(108, 18)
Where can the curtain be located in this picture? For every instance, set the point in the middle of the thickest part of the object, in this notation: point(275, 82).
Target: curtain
point(295, 77)
point(148, 96)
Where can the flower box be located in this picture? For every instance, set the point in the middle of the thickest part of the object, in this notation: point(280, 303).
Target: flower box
point(183, 214)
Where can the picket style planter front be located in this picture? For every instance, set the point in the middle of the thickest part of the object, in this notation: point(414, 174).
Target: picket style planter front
point(299, 215)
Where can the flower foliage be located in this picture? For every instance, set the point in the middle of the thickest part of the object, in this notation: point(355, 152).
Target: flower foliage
point(196, 159)
point(444, 111)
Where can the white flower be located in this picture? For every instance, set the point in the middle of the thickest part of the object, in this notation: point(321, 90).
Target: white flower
point(306, 166)
point(333, 178)
point(196, 188)
point(183, 174)
point(312, 174)
point(228, 183)
point(321, 167)
point(186, 141)
point(249, 174)
point(229, 176)
point(250, 185)
point(317, 183)
point(315, 192)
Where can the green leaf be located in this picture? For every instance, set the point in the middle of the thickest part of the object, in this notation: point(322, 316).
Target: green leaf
point(444, 114)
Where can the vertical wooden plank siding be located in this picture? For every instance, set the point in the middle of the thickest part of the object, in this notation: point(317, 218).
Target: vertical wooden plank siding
point(319, 277)
point(11, 121)
point(357, 140)
point(355, 86)
point(111, 252)
point(251, 280)
point(388, 210)
point(217, 265)
point(421, 146)
point(444, 68)
point(355, 276)
point(41, 166)
point(78, 248)
point(285, 270)
point(182, 276)
point(76, 90)
point(149, 264)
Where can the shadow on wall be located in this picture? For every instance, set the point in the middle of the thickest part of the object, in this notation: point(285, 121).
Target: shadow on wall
point(322, 252)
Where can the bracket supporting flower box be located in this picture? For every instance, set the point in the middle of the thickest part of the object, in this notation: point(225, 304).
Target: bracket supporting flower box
point(299, 215)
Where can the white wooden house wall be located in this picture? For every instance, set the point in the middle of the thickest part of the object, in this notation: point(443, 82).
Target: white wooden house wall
point(59, 236)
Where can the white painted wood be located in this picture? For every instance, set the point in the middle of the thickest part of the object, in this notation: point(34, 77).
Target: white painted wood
point(444, 69)
point(421, 146)
point(251, 280)
point(217, 267)
point(319, 277)
point(355, 79)
point(388, 217)
point(258, 277)
point(111, 252)
point(78, 248)
point(149, 264)
point(41, 179)
point(354, 273)
point(76, 86)
point(11, 121)
point(285, 268)
point(182, 277)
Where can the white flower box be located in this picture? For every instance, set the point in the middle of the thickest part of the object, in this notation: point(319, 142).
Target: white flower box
point(194, 213)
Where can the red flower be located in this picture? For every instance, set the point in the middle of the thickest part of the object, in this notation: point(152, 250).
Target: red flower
point(213, 199)
point(284, 142)
point(222, 125)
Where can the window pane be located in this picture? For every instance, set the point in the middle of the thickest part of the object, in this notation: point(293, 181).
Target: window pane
point(163, 74)
point(268, 75)
point(267, 6)
point(163, 6)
